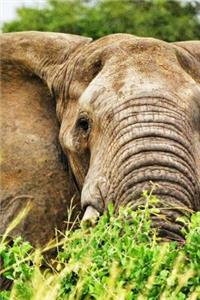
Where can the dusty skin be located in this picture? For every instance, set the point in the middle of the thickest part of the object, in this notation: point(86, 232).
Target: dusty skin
point(126, 111)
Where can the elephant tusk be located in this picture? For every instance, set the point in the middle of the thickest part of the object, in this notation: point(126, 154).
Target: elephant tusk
point(90, 216)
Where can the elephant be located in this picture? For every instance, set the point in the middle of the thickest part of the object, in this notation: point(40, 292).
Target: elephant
point(126, 111)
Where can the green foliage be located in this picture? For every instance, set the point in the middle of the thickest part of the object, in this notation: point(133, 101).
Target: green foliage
point(170, 20)
point(120, 258)
point(17, 266)
point(14, 256)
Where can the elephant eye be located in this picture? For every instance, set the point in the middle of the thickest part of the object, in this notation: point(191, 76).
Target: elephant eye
point(83, 124)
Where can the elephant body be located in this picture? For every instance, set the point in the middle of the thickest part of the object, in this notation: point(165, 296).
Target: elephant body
point(129, 114)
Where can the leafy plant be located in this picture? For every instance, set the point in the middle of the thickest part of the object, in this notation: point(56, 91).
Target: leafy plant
point(122, 257)
point(14, 256)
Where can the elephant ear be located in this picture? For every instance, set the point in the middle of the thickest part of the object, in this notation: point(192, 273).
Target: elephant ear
point(188, 54)
point(40, 52)
point(30, 155)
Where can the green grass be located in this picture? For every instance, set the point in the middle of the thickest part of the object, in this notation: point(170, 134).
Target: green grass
point(120, 258)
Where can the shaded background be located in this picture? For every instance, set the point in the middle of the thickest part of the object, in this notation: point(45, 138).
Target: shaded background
point(170, 20)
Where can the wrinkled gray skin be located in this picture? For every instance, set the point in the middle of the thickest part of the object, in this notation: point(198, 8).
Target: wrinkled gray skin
point(129, 110)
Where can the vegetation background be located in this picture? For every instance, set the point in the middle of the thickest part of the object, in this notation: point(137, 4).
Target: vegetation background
point(170, 20)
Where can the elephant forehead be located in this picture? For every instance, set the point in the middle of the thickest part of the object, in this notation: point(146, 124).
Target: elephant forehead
point(116, 49)
point(127, 43)
point(118, 81)
point(131, 67)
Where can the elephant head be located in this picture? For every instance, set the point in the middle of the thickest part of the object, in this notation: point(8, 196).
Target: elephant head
point(134, 110)
point(129, 112)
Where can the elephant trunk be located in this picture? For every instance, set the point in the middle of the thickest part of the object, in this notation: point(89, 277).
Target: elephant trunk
point(152, 143)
